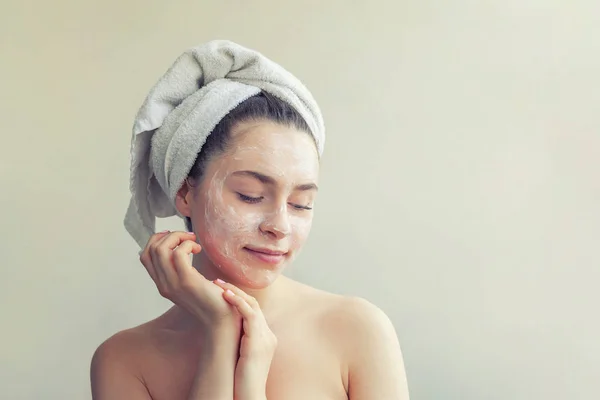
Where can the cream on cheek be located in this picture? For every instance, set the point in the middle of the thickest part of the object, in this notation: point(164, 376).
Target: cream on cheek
point(301, 230)
point(227, 229)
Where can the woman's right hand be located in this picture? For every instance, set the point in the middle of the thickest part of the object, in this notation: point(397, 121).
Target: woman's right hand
point(167, 260)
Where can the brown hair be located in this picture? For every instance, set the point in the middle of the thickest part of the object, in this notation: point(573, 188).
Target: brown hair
point(262, 106)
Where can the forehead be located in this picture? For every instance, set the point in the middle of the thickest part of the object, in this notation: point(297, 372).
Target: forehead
point(272, 148)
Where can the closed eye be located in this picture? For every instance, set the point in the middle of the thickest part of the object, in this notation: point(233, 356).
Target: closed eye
point(299, 207)
point(255, 200)
point(249, 199)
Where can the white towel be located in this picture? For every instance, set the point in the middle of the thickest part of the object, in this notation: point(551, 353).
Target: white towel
point(188, 101)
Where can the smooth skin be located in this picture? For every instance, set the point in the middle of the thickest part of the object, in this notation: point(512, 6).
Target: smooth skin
point(238, 328)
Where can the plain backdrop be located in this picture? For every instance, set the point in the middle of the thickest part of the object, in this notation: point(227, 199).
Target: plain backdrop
point(460, 181)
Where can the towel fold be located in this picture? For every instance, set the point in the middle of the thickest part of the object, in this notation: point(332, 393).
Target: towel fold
point(181, 110)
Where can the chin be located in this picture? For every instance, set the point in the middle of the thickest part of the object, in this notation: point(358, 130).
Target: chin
point(257, 282)
point(247, 272)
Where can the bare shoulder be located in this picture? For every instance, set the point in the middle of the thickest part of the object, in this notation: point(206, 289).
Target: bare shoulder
point(121, 348)
point(373, 356)
point(366, 316)
point(116, 366)
point(347, 317)
point(357, 321)
point(367, 343)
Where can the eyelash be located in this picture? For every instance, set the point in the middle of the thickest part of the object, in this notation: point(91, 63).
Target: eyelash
point(255, 200)
point(248, 199)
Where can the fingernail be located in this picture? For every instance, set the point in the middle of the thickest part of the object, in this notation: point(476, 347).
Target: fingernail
point(220, 281)
point(164, 231)
point(191, 233)
point(229, 292)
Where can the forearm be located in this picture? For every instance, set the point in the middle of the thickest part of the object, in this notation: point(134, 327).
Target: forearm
point(216, 368)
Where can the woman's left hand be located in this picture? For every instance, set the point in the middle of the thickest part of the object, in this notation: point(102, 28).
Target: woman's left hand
point(257, 345)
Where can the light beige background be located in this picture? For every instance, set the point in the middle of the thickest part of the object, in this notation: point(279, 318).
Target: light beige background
point(461, 188)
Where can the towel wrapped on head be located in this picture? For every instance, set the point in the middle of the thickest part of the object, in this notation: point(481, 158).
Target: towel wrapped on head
point(202, 86)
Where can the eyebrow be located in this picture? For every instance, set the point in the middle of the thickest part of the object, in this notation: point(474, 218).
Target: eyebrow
point(271, 181)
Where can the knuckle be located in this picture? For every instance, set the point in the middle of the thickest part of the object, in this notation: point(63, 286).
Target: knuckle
point(164, 292)
point(179, 250)
point(160, 249)
point(252, 302)
point(153, 248)
point(185, 247)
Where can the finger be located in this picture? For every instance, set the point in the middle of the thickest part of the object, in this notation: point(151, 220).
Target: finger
point(181, 257)
point(174, 239)
point(146, 259)
point(247, 312)
point(163, 252)
point(152, 242)
point(238, 292)
point(153, 247)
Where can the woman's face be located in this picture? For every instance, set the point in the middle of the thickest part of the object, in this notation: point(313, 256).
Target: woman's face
point(252, 211)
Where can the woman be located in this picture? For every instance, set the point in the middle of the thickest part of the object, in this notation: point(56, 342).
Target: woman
point(238, 328)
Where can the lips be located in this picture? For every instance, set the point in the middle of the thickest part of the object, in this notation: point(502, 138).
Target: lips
point(267, 251)
point(270, 256)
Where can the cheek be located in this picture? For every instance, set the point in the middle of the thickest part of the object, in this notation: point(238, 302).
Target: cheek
point(224, 222)
point(225, 225)
point(226, 232)
point(300, 230)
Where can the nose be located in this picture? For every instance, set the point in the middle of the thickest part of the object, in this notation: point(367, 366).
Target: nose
point(276, 224)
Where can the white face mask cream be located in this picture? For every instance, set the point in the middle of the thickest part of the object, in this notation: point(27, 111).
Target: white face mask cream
point(253, 210)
